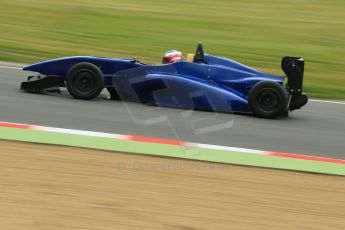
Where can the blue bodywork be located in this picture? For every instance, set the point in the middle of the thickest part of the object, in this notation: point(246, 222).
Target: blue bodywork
point(219, 84)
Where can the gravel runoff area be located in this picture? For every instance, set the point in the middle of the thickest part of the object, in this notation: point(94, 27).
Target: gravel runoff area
point(54, 187)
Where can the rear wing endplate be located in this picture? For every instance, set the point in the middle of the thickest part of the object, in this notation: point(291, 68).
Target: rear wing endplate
point(293, 67)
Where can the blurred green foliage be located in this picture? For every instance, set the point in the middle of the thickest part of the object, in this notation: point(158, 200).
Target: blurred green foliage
point(255, 32)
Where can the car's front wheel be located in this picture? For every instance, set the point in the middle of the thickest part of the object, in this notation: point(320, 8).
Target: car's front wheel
point(267, 99)
point(84, 81)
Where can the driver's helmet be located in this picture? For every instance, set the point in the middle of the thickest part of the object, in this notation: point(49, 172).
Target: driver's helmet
point(172, 56)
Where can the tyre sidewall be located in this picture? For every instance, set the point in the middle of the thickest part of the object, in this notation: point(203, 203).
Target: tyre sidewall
point(97, 77)
point(279, 92)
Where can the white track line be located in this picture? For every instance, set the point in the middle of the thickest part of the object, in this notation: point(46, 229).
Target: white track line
point(9, 67)
point(331, 102)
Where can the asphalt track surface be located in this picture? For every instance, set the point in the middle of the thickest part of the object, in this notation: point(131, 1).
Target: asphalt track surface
point(318, 129)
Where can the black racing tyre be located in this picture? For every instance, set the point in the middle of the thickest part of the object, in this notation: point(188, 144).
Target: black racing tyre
point(267, 99)
point(84, 81)
point(285, 113)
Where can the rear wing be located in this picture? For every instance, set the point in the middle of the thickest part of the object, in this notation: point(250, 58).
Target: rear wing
point(293, 67)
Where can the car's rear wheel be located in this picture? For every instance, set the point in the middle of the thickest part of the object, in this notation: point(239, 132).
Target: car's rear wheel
point(84, 81)
point(267, 99)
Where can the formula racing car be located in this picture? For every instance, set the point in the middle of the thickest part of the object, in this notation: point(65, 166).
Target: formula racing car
point(202, 82)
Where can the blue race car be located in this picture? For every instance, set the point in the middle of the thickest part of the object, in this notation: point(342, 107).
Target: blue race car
point(205, 82)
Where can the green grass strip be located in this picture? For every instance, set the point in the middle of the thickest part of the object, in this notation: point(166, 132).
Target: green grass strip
point(219, 156)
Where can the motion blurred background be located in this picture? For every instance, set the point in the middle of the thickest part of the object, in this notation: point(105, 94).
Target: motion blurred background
point(256, 33)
